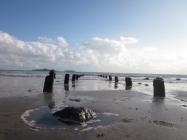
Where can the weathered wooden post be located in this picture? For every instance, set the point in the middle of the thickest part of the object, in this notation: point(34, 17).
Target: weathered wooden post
point(77, 77)
point(66, 87)
point(128, 82)
point(49, 80)
point(66, 79)
point(73, 78)
point(159, 88)
point(116, 79)
point(110, 78)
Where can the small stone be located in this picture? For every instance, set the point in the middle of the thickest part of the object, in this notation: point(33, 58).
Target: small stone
point(29, 90)
point(146, 78)
point(75, 100)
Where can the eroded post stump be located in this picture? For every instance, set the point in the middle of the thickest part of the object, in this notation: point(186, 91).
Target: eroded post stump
point(66, 79)
point(159, 88)
point(128, 82)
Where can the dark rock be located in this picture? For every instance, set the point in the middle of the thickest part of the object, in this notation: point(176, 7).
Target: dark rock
point(75, 114)
point(139, 83)
point(178, 79)
point(75, 100)
point(126, 120)
point(146, 85)
point(29, 90)
point(163, 123)
point(159, 88)
point(146, 78)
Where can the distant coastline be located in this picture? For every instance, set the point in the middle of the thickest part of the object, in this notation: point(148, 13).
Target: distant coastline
point(70, 71)
point(41, 69)
point(45, 69)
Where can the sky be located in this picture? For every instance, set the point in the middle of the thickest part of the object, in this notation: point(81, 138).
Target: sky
point(126, 36)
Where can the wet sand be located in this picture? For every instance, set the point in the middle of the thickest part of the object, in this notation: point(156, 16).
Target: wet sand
point(125, 114)
point(140, 117)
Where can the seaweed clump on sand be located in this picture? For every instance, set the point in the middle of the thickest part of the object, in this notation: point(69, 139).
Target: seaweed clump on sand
point(75, 114)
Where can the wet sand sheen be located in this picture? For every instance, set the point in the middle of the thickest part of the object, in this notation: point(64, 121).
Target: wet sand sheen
point(122, 114)
point(138, 117)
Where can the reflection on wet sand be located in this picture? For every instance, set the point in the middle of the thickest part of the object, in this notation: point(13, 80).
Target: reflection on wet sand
point(66, 87)
point(158, 100)
point(49, 101)
point(115, 85)
point(128, 87)
point(73, 84)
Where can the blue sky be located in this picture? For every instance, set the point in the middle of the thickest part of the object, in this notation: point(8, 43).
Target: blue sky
point(154, 23)
point(81, 19)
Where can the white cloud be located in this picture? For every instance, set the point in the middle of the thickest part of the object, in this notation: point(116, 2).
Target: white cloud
point(62, 42)
point(97, 54)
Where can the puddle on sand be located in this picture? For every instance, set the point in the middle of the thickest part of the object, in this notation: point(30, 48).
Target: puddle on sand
point(42, 118)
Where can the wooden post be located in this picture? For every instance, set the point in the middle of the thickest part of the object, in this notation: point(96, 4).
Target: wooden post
point(49, 80)
point(110, 78)
point(159, 88)
point(116, 79)
point(66, 79)
point(128, 82)
point(73, 77)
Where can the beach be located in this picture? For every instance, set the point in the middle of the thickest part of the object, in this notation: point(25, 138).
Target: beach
point(26, 113)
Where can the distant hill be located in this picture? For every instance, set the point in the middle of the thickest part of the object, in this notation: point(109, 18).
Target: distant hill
point(41, 69)
point(70, 71)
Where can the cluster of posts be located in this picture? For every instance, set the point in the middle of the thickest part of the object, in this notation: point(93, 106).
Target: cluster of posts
point(158, 83)
point(128, 81)
point(74, 78)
